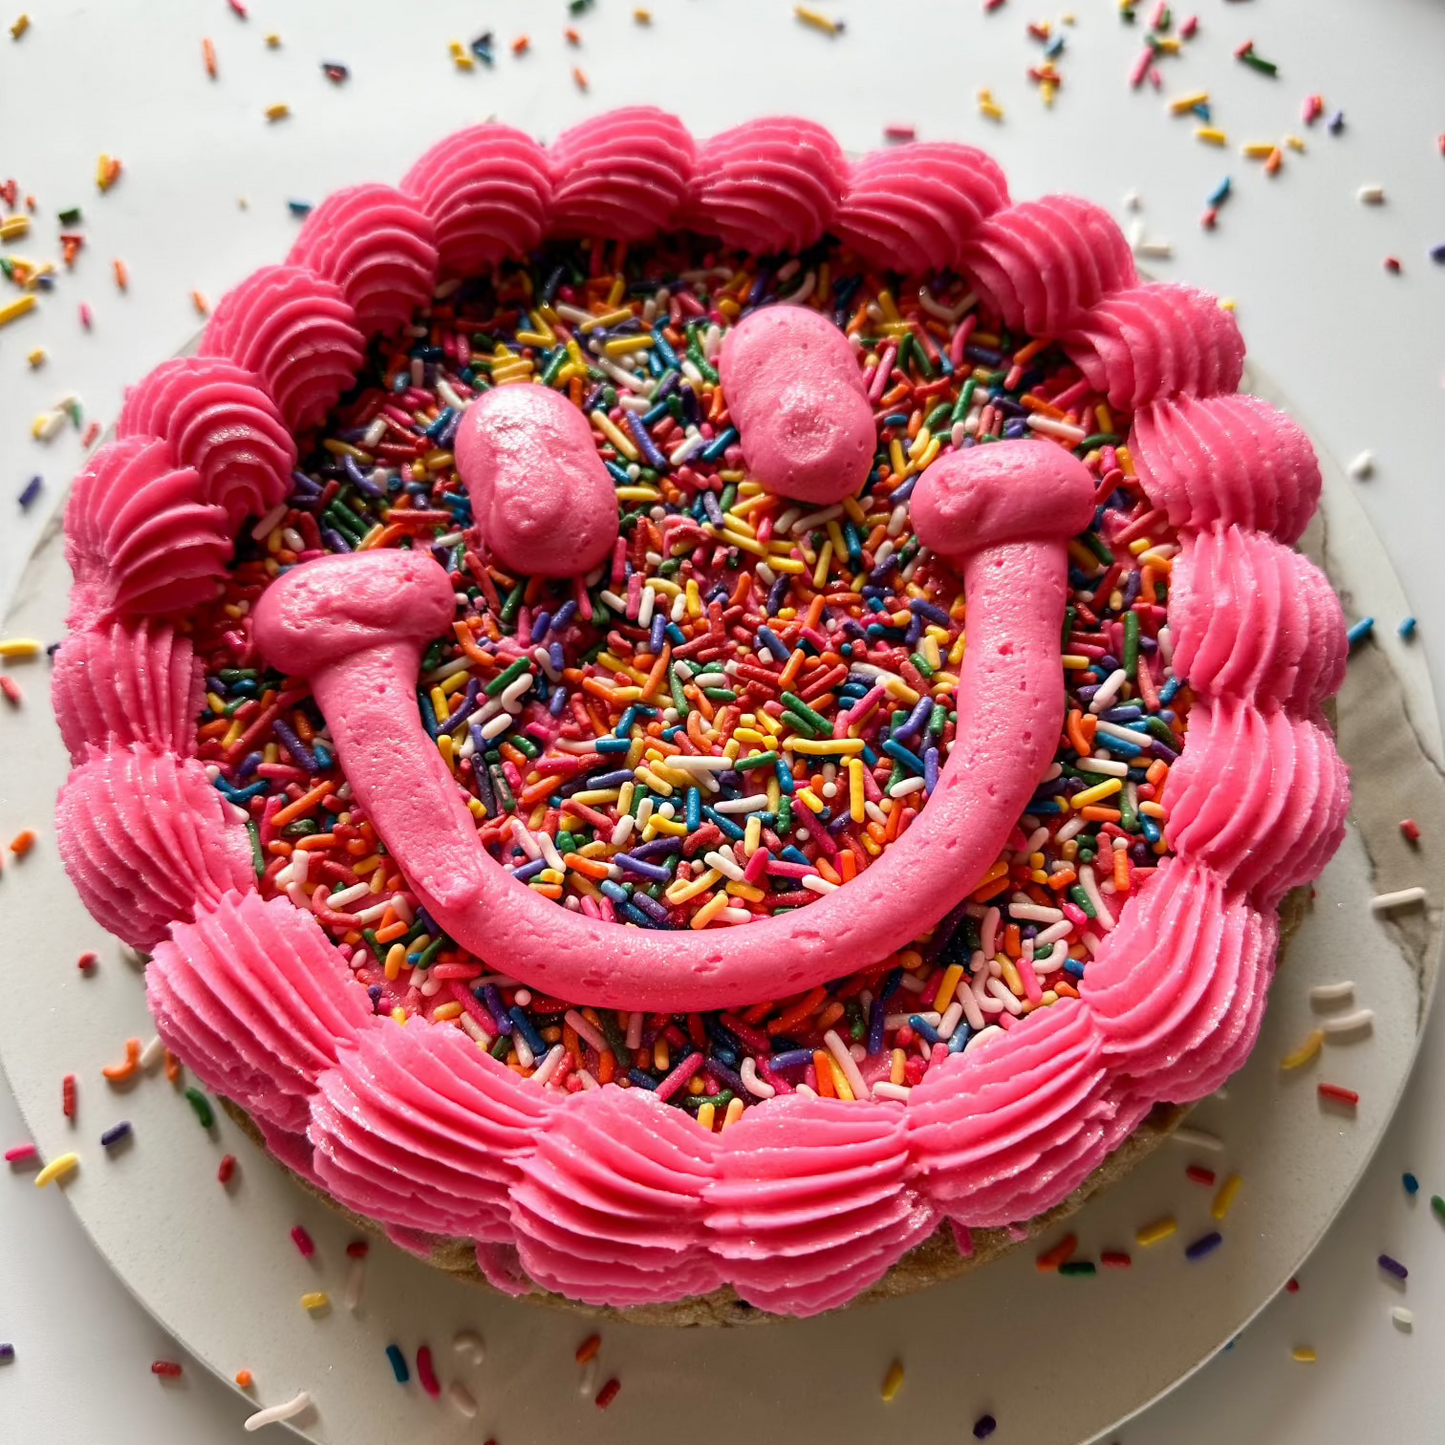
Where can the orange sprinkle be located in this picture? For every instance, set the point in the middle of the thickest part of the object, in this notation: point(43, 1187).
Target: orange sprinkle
point(588, 1349)
point(208, 54)
point(122, 274)
point(203, 307)
point(301, 806)
point(579, 78)
point(23, 842)
point(521, 45)
point(244, 1378)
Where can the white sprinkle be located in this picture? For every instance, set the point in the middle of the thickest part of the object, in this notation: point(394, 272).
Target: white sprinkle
point(748, 1072)
point(1332, 992)
point(817, 884)
point(884, 1090)
point(269, 522)
point(274, 1414)
point(1403, 1318)
point(907, 786)
point(1108, 691)
point(724, 865)
point(1154, 250)
point(153, 1053)
point(548, 1066)
point(1108, 766)
point(1371, 195)
point(587, 1381)
point(1133, 201)
point(469, 1343)
point(1035, 912)
point(463, 1399)
point(983, 1038)
point(847, 1063)
point(1402, 898)
point(1197, 1138)
point(1350, 1023)
point(1363, 466)
point(1051, 428)
point(757, 804)
point(356, 1276)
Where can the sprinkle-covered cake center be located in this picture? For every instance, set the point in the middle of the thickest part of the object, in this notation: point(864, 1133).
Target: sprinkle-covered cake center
point(743, 707)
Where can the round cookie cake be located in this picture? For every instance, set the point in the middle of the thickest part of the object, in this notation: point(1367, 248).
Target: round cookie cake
point(688, 724)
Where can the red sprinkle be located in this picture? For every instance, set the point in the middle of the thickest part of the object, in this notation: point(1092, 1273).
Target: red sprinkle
point(1338, 1095)
point(587, 1350)
point(11, 689)
point(304, 1241)
point(1063, 1250)
point(1114, 1259)
point(237, 7)
point(1411, 830)
point(1392, 265)
point(67, 1096)
point(227, 1169)
point(1292, 1287)
point(1198, 1174)
point(86, 962)
point(424, 1371)
point(357, 1249)
point(167, 1369)
point(608, 1393)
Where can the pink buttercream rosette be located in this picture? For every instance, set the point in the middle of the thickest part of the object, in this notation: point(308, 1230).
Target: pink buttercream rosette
point(608, 1196)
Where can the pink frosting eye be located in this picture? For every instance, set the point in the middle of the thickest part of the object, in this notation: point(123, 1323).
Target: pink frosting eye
point(797, 397)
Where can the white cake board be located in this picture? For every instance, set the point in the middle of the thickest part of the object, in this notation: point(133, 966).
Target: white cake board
point(1056, 1360)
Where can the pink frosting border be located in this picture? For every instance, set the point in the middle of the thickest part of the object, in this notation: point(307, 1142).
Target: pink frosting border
point(606, 1195)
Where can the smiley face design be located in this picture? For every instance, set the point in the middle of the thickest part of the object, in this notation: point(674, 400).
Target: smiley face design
point(737, 683)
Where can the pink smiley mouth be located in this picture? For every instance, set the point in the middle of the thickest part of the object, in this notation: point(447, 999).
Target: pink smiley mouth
point(355, 628)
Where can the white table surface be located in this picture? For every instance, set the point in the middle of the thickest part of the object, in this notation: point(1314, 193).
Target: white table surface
point(1361, 352)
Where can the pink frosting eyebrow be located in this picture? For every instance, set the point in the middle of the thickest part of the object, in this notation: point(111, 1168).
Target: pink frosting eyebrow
point(355, 626)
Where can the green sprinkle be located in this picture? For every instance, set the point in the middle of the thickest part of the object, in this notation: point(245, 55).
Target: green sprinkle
point(923, 664)
point(1077, 1266)
point(513, 605)
point(507, 675)
point(258, 859)
point(679, 700)
point(202, 1107)
point(1099, 439)
point(816, 720)
point(759, 760)
point(1082, 899)
point(1438, 1205)
point(1131, 644)
point(785, 826)
point(1259, 63)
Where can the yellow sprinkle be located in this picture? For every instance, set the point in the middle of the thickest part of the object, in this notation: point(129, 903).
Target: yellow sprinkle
point(734, 1112)
point(1259, 150)
point(705, 1114)
point(277, 112)
point(1224, 1199)
point(17, 308)
point(57, 1169)
point(37, 358)
point(20, 647)
point(608, 428)
point(893, 1380)
point(1187, 102)
point(1212, 136)
point(949, 982)
point(817, 20)
point(1306, 1051)
point(21, 25)
point(819, 747)
point(988, 106)
point(638, 494)
point(1304, 1354)
point(1294, 142)
point(1152, 1234)
point(642, 17)
point(317, 1300)
point(273, 42)
point(13, 227)
point(1097, 793)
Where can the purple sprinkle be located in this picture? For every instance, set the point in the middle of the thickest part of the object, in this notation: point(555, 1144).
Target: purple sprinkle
point(1394, 1267)
point(1337, 122)
point(1204, 1245)
point(984, 1426)
point(1437, 253)
point(31, 489)
point(115, 1134)
point(7, 1353)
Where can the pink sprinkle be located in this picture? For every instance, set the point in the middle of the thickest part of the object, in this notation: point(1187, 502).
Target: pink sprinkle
point(1190, 27)
point(962, 1239)
point(85, 316)
point(304, 1241)
point(1141, 68)
point(899, 132)
point(11, 689)
point(424, 1371)
point(21, 1154)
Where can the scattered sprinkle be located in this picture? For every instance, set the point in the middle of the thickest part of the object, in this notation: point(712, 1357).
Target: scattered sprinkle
point(608, 1393)
point(1198, 1174)
point(988, 106)
point(277, 1413)
point(1224, 1200)
point(1403, 1319)
point(57, 1169)
point(1197, 1138)
point(1204, 1246)
point(7, 1354)
point(1152, 1234)
point(1051, 1259)
point(25, 1153)
point(1333, 1093)
point(29, 492)
point(1393, 1266)
point(468, 1344)
point(315, 1300)
point(116, 1134)
point(1324, 994)
point(1304, 1354)
point(1401, 898)
point(201, 1106)
point(303, 1241)
point(1438, 1205)
point(14, 310)
point(1307, 1051)
point(1371, 195)
point(462, 1399)
point(335, 72)
point(245, 1379)
point(1077, 1266)
point(1406, 629)
point(1115, 1259)
point(588, 1348)
point(227, 1170)
point(425, 1373)
point(208, 55)
point(1354, 1022)
point(579, 78)
point(20, 26)
point(398, 1364)
point(121, 272)
point(1363, 466)
point(1412, 1185)
point(23, 842)
point(893, 1380)
point(277, 112)
point(11, 690)
point(166, 1369)
point(984, 1426)
point(817, 20)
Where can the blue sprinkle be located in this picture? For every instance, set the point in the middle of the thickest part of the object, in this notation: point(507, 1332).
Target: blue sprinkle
point(299, 208)
point(1204, 1245)
point(923, 1028)
point(1337, 122)
point(398, 1364)
point(1361, 630)
point(1407, 628)
point(1220, 193)
point(524, 1027)
point(30, 491)
point(1412, 1185)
